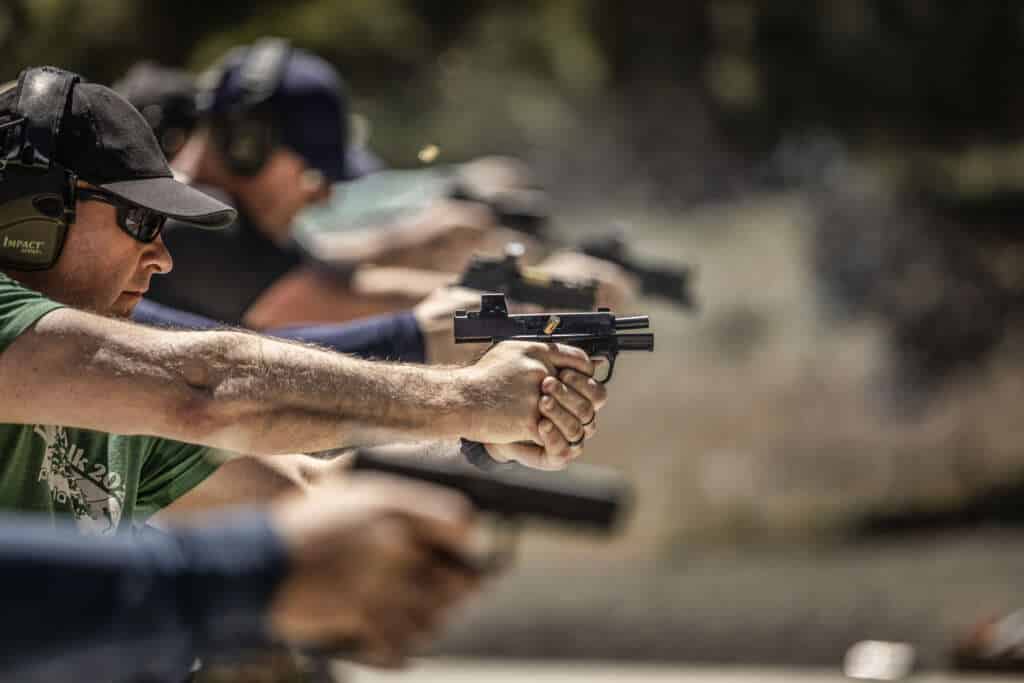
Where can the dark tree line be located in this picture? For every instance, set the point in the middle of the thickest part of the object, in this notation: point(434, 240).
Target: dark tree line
point(936, 71)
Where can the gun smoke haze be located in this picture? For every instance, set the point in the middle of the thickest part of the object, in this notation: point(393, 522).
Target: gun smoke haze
point(778, 422)
point(759, 436)
point(780, 410)
point(763, 416)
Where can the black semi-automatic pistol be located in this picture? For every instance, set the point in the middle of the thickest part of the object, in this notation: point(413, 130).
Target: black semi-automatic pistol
point(668, 282)
point(527, 285)
point(596, 332)
point(588, 497)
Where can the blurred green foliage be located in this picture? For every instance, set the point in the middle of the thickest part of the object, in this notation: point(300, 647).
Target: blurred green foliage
point(930, 71)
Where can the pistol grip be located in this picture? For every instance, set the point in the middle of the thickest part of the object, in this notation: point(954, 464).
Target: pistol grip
point(477, 455)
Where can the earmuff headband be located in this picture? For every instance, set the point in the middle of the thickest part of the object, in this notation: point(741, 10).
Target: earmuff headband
point(43, 96)
point(37, 194)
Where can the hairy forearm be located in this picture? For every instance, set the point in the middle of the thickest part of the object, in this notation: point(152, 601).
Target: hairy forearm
point(308, 296)
point(225, 389)
point(293, 397)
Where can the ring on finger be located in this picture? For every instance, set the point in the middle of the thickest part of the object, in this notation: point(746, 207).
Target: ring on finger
point(577, 442)
point(591, 420)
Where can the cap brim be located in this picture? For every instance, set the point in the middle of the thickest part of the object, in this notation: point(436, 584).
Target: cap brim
point(175, 199)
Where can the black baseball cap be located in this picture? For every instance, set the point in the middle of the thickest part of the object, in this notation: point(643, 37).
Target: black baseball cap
point(310, 104)
point(105, 141)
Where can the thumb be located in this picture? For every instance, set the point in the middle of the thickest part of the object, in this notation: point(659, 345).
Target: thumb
point(527, 454)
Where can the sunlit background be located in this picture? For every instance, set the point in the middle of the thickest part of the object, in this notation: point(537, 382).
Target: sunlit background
point(830, 450)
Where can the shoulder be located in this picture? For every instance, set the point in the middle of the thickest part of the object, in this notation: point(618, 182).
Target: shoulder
point(20, 308)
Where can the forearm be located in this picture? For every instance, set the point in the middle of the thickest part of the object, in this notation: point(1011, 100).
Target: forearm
point(442, 235)
point(229, 390)
point(310, 296)
point(400, 246)
point(397, 244)
point(399, 283)
point(252, 480)
point(140, 609)
point(292, 397)
point(257, 480)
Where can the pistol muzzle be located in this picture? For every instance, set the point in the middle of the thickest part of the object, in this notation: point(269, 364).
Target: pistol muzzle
point(633, 322)
point(635, 342)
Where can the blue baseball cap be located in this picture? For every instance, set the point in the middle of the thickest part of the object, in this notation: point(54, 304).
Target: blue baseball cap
point(310, 108)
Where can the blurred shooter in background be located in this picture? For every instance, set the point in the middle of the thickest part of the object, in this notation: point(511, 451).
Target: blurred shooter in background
point(272, 135)
point(217, 289)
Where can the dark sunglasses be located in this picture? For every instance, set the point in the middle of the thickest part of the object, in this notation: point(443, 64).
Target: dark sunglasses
point(141, 223)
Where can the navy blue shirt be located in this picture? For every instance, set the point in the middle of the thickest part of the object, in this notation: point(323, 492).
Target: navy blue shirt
point(395, 336)
point(218, 274)
point(82, 608)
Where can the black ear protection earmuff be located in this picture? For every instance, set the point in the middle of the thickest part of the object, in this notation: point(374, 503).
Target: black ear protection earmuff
point(37, 195)
point(246, 134)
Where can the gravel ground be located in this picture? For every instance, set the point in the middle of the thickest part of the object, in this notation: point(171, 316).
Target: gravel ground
point(514, 671)
point(754, 438)
point(798, 608)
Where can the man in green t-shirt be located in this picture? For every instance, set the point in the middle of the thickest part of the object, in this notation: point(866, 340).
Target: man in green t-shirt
point(84, 193)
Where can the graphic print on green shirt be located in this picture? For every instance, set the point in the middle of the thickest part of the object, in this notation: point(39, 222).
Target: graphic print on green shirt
point(105, 482)
point(96, 498)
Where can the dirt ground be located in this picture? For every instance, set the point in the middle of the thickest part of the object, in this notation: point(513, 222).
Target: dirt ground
point(511, 671)
point(759, 419)
point(787, 607)
point(754, 435)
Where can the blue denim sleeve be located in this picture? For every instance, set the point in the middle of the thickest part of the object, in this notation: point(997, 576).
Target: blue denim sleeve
point(113, 609)
point(395, 336)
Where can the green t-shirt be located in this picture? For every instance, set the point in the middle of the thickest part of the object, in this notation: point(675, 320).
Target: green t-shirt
point(106, 482)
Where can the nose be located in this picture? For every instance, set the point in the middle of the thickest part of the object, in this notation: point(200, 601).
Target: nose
point(157, 257)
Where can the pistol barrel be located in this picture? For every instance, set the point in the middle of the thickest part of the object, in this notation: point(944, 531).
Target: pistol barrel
point(586, 496)
point(633, 322)
point(635, 342)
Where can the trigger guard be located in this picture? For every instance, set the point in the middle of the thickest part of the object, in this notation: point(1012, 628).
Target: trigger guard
point(611, 369)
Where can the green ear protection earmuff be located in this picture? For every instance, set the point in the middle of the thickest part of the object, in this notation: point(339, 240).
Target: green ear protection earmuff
point(37, 195)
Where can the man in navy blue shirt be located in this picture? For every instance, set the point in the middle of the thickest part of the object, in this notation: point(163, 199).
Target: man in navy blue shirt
point(364, 568)
point(239, 275)
point(272, 138)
